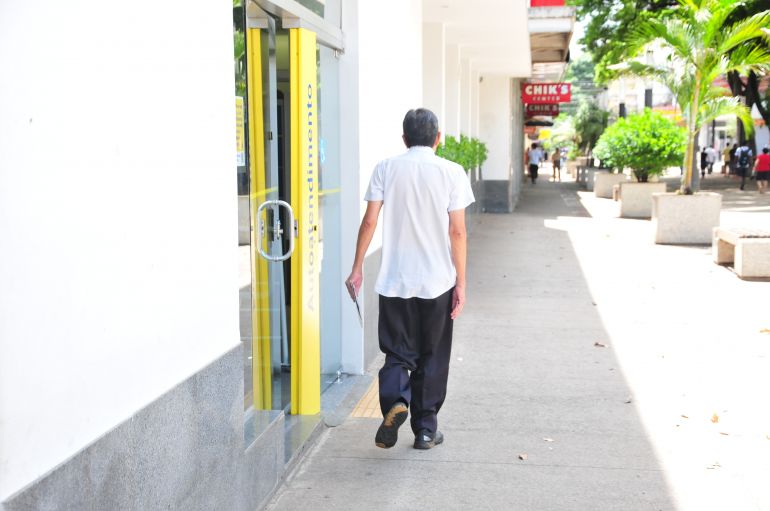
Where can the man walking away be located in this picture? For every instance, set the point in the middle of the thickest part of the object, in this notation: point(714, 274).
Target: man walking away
point(421, 282)
point(703, 163)
point(743, 162)
point(762, 168)
point(535, 156)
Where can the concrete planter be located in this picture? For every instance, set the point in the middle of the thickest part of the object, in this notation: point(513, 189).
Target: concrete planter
point(591, 174)
point(572, 168)
point(636, 198)
point(603, 183)
point(685, 219)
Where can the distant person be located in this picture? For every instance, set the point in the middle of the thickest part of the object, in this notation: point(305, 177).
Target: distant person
point(762, 168)
point(711, 158)
point(733, 161)
point(743, 156)
point(534, 157)
point(556, 162)
point(704, 162)
point(726, 159)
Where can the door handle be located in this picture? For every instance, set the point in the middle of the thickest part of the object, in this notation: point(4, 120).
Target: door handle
point(277, 228)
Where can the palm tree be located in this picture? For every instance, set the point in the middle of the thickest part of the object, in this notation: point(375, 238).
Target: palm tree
point(700, 49)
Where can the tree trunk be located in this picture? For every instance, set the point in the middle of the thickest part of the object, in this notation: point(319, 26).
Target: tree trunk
point(692, 132)
point(752, 94)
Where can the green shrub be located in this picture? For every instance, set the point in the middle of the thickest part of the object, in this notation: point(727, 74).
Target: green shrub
point(647, 143)
point(469, 153)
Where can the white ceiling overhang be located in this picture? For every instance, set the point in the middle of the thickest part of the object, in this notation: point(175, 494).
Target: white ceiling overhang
point(491, 34)
point(550, 33)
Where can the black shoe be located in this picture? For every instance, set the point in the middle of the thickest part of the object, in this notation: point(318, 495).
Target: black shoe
point(387, 434)
point(427, 440)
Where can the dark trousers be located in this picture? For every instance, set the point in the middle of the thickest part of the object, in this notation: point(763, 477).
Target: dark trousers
point(533, 168)
point(416, 337)
point(743, 172)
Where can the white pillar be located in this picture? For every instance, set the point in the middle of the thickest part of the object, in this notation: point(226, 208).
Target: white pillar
point(434, 70)
point(517, 138)
point(452, 111)
point(465, 97)
point(475, 76)
point(495, 126)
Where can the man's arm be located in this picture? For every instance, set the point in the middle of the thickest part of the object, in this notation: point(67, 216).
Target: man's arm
point(365, 233)
point(457, 240)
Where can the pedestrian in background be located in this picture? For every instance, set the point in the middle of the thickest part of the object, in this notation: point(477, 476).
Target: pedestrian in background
point(762, 168)
point(703, 163)
point(556, 162)
point(733, 161)
point(726, 159)
point(534, 157)
point(743, 156)
point(711, 158)
point(421, 281)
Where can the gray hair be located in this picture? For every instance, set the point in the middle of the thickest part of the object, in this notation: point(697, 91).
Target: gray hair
point(420, 128)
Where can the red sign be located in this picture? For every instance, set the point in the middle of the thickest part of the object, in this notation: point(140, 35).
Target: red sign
point(547, 3)
point(539, 109)
point(546, 93)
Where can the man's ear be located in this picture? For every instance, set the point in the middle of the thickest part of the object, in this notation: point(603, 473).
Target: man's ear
point(403, 137)
point(437, 141)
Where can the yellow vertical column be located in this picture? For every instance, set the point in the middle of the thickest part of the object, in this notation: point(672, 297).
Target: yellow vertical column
point(305, 269)
point(260, 289)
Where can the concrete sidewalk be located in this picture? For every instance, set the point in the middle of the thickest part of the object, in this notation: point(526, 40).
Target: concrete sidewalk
point(628, 375)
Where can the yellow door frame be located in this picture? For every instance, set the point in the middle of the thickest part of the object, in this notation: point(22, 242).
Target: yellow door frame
point(260, 284)
point(306, 264)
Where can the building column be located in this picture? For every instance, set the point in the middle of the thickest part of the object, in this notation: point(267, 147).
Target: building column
point(517, 139)
point(434, 70)
point(475, 77)
point(465, 97)
point(452, 111)
point(495, 129)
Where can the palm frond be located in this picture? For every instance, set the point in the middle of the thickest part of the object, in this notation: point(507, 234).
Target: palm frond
point(720, 14)
point(689, 4)
point(744, 31)
point(749, 57)
point(675, 33)
point(718, 107)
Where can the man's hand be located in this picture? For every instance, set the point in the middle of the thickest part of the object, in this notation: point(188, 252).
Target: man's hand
point(353, 283)
point(458, 301)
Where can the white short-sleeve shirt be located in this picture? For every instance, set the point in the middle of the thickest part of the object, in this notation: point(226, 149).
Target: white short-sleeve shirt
point(418, 190)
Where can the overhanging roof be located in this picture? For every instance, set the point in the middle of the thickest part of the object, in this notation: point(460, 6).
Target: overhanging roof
point(550, 32)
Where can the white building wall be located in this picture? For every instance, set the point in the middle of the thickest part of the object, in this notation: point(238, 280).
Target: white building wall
point(495, 125)
point(351, 180)
point(390, 79)
point(434, 70)
point(118, 216)
point(381, 78)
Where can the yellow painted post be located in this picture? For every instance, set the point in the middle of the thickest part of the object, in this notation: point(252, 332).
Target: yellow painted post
point(260, 290)
point(305, 270)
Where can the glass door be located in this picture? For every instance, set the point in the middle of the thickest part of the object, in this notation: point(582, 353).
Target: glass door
point(273, 236)
point(281, 167)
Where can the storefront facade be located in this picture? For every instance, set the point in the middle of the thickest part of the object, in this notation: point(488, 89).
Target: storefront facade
point(169, 326)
